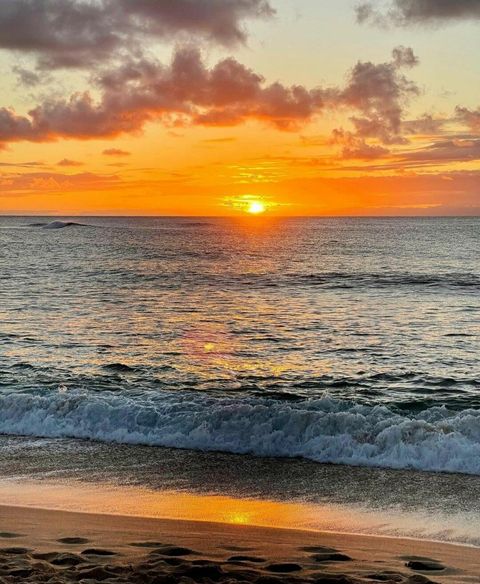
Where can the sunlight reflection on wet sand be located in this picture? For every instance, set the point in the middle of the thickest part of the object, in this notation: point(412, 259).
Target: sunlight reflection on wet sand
point(142, 502)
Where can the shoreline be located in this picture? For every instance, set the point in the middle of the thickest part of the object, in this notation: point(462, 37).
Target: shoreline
point(141, 542)
point(306, 530)
point(115, 498)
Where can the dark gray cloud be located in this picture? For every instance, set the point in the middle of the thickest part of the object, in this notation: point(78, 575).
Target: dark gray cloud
point(405, 12)
point(380, 92)
point(80, 33)
point(27, 77)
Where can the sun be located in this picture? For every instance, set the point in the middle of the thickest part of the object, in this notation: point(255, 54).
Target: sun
point(256, 207)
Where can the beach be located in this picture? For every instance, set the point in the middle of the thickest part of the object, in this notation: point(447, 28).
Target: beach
point(40, 545)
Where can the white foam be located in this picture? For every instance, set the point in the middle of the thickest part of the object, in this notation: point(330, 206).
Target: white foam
point(58, 224)
point(325, 430)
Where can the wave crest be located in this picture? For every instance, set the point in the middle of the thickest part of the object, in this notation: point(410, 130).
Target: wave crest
point(56, 224)
point(324, 430)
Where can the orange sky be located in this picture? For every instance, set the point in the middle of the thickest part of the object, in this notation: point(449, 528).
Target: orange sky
point(308, 108)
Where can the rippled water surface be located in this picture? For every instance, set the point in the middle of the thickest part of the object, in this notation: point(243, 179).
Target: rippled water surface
point(352, 341)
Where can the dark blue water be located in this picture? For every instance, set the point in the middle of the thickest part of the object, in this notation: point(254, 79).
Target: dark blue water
point(350, 341)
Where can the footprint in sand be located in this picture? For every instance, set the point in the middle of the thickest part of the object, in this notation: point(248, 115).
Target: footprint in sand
point(174, 551)
point(284, 568)
point(170, 561)
point(418, 579)
point(98, 552)
point(331, 557)
point(15, 551)
point(66, 560)
point(325, 554)
point(59, 559)
point(387, 576)
point(419, 564)
point(318, 549)
point(9, 535)
point(73, 540)
point(148, 544)
point(249, 559)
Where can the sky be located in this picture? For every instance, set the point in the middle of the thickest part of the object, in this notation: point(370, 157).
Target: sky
point(220, 107)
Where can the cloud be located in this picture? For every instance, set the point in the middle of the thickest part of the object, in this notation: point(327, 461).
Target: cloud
point(81, 33)
point(115, 152)
point(424, 125)
point(219, 140)
point(188, 92)
point(469, 117)
point(449, 193)
point(452, 150)
point(68, 162)
point(185, 92)
point(354, 147)
point(439, 153)
point(32, 164)
point(380, 92)
point(226, 94)
point(404, 57)
point(52, 182)
point(26, 77)
point(406, 12)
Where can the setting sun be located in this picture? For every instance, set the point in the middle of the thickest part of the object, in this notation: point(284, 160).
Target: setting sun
point(256, 207)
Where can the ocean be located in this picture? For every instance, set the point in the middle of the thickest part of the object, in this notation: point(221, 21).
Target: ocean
point(330, 363)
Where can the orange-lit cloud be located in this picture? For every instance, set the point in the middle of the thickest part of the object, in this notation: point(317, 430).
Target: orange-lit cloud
point(116, 152)
point(68, 162)
point(225, 95)
point(30, 183)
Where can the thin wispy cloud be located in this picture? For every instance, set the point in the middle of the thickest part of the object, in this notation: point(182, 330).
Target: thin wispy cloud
point(115, 152)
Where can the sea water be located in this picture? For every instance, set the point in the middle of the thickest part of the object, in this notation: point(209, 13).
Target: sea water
point(351, 342)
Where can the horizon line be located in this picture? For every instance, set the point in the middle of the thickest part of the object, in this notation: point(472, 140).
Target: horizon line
point(245, 216)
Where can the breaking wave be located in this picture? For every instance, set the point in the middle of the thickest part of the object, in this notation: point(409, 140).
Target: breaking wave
point(325, 430)
point(56, 224)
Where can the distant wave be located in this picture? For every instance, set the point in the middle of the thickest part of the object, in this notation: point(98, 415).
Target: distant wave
point(387, 279)
point(56, 224)
point(194, 224)
point(324, 430)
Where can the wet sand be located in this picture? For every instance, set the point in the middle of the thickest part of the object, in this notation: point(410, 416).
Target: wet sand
point(54, 546)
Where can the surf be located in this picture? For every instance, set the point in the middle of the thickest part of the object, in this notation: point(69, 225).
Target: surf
point(324, 430)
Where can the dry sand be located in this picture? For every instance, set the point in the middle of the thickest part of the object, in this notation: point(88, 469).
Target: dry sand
point(57, 547)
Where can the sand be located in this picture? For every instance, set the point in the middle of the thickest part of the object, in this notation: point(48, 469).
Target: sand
point(54, 546)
